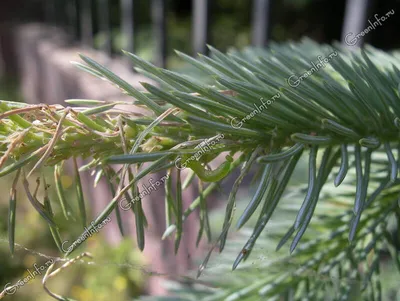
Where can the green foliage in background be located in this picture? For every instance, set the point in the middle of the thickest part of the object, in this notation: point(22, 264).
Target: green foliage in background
point(258, 108)
point(116, 274)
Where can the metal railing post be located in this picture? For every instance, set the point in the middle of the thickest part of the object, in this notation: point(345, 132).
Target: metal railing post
point(261, 12)
point(158, 9)
point(200, 25)
point(128, 24)
point(49, 11)
point(86, 25)
point(72, 18)
point(355, 19)
point(103, 8)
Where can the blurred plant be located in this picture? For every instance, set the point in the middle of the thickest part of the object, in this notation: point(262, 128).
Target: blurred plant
point(106, 279)
point(345, 113)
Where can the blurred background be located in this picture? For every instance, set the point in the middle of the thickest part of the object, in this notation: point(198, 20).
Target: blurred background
point(39, 38)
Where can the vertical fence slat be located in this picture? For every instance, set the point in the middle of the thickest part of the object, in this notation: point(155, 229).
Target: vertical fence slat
point(127, 24)
point(200, 25)
point(261, 12)
point(104, 24)
point(158, 9)
point(355, 19)
point(86, 22)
